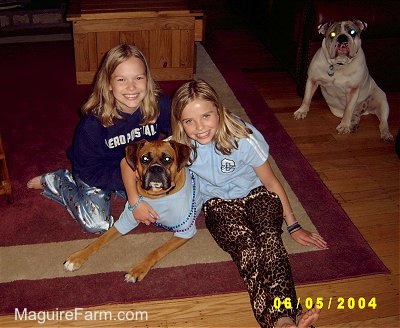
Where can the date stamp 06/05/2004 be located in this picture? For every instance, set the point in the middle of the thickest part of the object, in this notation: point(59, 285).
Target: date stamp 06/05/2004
point(337, 303)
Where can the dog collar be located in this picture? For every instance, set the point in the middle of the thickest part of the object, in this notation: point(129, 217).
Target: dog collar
point(331, 69)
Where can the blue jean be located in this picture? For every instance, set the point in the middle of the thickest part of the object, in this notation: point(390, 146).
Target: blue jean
point(89, 206)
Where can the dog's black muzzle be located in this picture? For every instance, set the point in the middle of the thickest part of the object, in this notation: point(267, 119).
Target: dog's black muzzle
point(342, 38)
point(156, 174)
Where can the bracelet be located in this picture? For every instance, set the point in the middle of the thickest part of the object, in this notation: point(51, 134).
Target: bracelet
point(294, 227)
point(133, 207)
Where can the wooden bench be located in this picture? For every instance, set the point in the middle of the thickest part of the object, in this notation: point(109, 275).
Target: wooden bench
point(165, 31)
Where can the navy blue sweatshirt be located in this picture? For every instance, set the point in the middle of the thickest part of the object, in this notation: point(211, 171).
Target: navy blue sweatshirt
point(97, 151)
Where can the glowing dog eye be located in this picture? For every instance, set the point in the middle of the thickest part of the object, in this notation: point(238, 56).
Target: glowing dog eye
point(353, 32)
point(332, 35)
point(145, 159)
point(166, 160)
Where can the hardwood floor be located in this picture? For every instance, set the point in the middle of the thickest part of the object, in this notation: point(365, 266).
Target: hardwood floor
point(361, 171)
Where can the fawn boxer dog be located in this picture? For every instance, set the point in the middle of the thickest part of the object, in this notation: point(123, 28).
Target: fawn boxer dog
point(169, 187)
point(340, 69)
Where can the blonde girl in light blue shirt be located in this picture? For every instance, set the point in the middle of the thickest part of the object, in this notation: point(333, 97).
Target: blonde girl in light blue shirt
point(245, 202)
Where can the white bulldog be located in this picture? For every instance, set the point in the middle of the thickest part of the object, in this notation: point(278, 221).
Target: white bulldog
point(340, 69)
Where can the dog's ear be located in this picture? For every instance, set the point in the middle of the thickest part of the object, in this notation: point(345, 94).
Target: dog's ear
point(132, 151)
point(182, 153)
point(360, 24)
point(322, 28)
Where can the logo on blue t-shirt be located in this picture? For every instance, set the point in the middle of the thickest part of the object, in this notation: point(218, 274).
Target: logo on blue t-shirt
point(227, 166)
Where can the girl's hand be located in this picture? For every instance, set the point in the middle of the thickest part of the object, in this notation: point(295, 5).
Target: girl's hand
point(144, 213)
point(307, 238)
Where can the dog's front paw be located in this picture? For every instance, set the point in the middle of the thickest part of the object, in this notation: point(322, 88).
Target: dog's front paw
point(130, 278)
point(301, 113)
point(343, 128)
point(386, 135)
point(137, 273)
point(71, 266)
point(74, 262)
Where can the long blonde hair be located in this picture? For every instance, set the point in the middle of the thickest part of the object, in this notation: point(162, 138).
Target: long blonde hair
point(101, 101)
point(230, 129)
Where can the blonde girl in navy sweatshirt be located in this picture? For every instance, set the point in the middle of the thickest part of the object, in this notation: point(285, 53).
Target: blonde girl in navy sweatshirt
point(125, 105)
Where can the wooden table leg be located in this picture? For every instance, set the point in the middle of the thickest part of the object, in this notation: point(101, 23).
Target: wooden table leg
point(5, 183)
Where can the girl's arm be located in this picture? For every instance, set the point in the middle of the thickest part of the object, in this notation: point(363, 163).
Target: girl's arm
point(271, 182)
point(143, 213)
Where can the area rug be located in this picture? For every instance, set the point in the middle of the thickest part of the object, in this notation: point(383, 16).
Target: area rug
point(39, 110)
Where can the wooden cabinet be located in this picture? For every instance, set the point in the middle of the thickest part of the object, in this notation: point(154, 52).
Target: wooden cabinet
point(165, 31)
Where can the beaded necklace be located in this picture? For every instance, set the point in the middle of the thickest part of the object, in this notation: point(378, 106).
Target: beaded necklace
point(192, 213)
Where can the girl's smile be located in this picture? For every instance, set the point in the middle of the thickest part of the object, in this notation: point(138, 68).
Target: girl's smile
point(200, 120)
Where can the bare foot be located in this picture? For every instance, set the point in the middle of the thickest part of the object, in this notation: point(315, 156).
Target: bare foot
point(285, 322)
point(309, 318)
point(34, 183)
point(306, 320)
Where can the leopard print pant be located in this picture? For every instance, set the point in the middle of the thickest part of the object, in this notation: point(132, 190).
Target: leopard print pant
point(250, 229)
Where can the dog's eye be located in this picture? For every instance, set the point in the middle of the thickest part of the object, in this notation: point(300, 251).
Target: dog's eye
point(332, 34)
point(166, 160)
point(353, 33)
point(145, 159)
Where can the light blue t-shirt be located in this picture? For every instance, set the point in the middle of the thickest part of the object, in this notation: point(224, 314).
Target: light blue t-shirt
point(177, 212)
point(230, 176)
